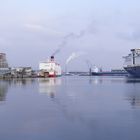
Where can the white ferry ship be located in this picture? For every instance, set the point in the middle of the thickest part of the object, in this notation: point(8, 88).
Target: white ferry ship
point(49, 68)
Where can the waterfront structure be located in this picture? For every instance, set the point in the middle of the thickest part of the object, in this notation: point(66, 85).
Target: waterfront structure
point(3, 61)
point(18, 72)
point(132, 63)
point(49, 68)
point(4, 68)
point(21, 72)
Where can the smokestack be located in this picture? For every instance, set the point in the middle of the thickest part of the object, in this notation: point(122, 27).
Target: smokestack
point(52, 58)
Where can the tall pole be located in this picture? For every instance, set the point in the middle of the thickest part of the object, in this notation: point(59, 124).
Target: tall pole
point(133, 56)
point(90, 71)
point(65, 68)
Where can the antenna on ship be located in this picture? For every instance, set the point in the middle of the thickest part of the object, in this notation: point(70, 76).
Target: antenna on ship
point(89, 67)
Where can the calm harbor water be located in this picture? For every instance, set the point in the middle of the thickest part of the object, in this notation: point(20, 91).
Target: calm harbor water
point(70, 108)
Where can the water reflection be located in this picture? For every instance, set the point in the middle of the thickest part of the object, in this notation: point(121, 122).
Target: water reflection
point(68, 97)
point(21, 81)
point(102, 79)
point(133, 91)
point(7, 83)
point(95, 80)
point(49, 86)
point(132, 80)
point(3, 90)
point(84, 108)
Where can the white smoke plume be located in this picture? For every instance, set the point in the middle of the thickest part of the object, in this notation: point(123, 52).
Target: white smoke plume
point(73, 56)
point(66, 39)
point(90, 29)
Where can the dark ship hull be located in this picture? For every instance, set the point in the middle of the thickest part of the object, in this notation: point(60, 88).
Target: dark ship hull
point(110, 73)
point(134, 71)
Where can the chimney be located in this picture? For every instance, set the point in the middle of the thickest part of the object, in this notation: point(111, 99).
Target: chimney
point(52, 58)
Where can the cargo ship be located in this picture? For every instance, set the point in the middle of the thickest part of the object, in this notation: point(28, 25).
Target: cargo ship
point(132, 63)
point(115, 72)
point(49, 68)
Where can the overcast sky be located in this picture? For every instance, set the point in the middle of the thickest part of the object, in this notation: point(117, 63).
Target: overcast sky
point(102, 31)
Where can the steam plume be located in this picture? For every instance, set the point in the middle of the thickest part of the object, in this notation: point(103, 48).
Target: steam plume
point(73, 56)
point(67, 38)
point(89, 30)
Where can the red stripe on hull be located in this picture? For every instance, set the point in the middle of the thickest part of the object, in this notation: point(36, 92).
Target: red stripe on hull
point(52, 75)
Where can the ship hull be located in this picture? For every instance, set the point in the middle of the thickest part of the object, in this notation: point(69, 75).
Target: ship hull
point(46, 74)
point(109, 73)
point(133, 71)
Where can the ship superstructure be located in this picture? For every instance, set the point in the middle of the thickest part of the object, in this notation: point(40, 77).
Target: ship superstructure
point(132, 63)
point(49, 68)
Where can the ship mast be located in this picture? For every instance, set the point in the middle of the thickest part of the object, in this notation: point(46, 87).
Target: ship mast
point(133, 55)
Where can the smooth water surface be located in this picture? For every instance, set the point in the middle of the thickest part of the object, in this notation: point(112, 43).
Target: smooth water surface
point(70, 108)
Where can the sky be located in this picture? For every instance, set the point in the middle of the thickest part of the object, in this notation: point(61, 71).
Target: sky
point(101, 31)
